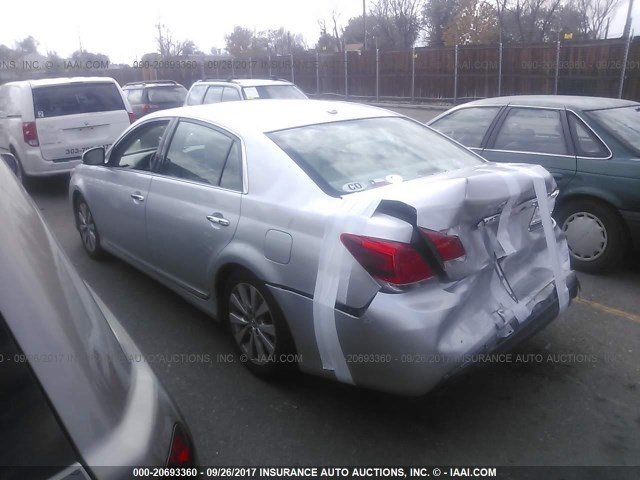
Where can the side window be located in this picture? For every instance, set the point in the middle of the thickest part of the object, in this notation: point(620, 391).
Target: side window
point(134, 96)
point(586, 142)
point(197, 153)
point(232, 175)
point(468, 125)
point(213, 94)
point(196, 94)
point(230, 94)
point(138, 149)
point(535, 130)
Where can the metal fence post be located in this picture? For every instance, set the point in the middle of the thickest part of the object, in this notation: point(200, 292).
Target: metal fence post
point(233, 73)
point(250, 69)
point(455, 76)
point(413, 73)
point(555, 87)
point(317, 73)
point(293, 78)
point(500, 70)
point(346, 75)
point(377, 75)
point(269, 60)
point(624, 65)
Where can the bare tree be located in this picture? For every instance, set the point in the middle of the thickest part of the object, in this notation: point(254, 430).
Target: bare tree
point(399, 21)
point(595, 14)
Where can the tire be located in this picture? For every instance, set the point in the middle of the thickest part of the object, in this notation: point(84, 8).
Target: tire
point(23, 178)
point(88, 230)
point(597, 237)
point(258, 329)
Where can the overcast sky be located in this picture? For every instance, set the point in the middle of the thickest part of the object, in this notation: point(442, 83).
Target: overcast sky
point(125, 30)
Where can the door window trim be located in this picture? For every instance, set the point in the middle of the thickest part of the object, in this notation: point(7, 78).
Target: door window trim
point(166, 142)
point(563, 122)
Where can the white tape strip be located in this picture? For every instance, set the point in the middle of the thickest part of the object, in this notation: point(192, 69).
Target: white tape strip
point(330, 270)
point(503, 224)
point(555, 259)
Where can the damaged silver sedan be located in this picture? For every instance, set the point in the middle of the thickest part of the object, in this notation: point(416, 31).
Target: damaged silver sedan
point(357, 242)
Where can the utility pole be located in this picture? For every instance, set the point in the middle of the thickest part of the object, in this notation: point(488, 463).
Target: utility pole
point(364, 24)
point(627, 25)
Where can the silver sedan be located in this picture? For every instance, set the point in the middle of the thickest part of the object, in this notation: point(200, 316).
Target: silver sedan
point(349, 240)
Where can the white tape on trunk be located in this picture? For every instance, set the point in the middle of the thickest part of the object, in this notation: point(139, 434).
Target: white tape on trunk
point(503, 224)
point(331, 267)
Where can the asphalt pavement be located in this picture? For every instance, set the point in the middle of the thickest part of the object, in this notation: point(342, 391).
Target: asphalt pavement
point(570, 395)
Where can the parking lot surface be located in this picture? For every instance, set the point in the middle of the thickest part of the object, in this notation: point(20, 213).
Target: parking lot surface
point(568, 396)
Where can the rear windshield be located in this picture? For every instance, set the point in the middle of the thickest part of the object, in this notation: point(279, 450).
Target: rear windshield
point(273, 91)
point(622, 123)
point(354, 155)
point(167, 95)
point(71, 99)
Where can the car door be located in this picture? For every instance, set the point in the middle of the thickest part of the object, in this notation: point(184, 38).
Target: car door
point(194, 203)
point(468, 126)
point(117, 192)
point(534, 135)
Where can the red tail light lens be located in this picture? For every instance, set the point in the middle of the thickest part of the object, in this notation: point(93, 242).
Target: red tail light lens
point(132, 117)
point(449, 246)
point(30, 134)
point(393, 262)
point(180, 451)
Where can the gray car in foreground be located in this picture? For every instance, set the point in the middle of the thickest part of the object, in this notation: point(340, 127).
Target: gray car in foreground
point(76, 401)
point(354, 241)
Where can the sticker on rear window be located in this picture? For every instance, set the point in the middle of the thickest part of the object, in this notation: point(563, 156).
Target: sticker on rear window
point(251, 93)
point(394, 178)
point(353, 187)
point(40, 114)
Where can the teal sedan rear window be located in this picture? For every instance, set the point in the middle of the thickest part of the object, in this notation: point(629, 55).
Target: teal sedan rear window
point(623, 123)
point(349, 156)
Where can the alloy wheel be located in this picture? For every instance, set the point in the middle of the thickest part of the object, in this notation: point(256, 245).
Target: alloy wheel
point(87, 227)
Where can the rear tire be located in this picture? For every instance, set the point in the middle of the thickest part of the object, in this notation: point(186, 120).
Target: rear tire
point(88, 230)
point(23, 178)
point(597, 237)
point(257, 326)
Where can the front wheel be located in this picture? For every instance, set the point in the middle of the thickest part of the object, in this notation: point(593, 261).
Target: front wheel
point(596, 235)
point(257, 326)
point(88, 230)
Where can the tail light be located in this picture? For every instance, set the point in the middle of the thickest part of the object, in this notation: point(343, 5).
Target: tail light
point(149, 107)
point(393, 262)
point(181, 451)
point(400, 263)
point(132, 117)
point(30, 134)
point(449, 246)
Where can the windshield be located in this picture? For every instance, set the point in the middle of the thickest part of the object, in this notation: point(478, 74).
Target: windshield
point(273, 91)
point(167, 95)
point(346, 157)
point(622, 123)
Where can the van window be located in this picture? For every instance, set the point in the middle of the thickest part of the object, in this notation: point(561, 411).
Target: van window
point(75, 98)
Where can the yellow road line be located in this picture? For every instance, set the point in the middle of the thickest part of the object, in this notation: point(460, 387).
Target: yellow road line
point(613, 311)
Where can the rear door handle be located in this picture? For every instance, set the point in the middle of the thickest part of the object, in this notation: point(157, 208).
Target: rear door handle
point(219, 219)
point(138, 197)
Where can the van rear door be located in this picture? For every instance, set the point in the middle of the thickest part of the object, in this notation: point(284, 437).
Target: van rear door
point(73, 117)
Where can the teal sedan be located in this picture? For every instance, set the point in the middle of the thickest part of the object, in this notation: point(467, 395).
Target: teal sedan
point(590, 145)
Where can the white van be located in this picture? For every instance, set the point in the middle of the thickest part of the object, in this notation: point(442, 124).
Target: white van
point(47, 124)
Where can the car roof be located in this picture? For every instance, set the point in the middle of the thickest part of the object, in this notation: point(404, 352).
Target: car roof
point(45, 82)
point(271, 115)
point(247, 82)
point(557, 101)
point(151, 83)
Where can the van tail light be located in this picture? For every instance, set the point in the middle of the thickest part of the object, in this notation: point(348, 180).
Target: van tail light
point(30, 134)
point(181, 452)
point(448, 246)
point(149, 107)
point(132, 117)
point(392, 262)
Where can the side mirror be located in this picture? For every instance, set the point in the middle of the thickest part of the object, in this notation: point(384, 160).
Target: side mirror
point(11, 161)
point(94, 156)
